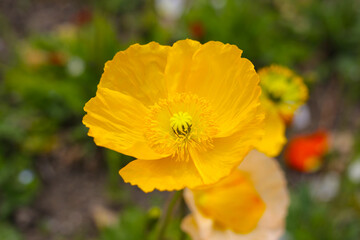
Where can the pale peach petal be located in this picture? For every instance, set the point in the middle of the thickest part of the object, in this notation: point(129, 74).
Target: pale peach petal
point(270, 183)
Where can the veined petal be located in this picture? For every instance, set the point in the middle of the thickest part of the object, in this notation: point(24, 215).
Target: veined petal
point(139, 72)
point(274, 137)
point(179, 64)
point(228, 152)
point(229, 82)
point(116, 122)
point(165, 174)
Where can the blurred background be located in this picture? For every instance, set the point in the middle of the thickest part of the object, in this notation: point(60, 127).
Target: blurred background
point(56, 184)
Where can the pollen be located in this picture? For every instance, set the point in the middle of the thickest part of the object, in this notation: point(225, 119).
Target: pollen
point(181, 124)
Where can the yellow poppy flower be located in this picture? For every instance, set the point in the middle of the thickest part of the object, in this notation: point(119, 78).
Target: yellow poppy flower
point(284, 88)
point(283, 92)
point(189, 113)
point(274, 137)
point(250, 204)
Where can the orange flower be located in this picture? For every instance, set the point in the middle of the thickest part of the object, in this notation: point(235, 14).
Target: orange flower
point(197, 30)
point(305, 153)
point(83, 17)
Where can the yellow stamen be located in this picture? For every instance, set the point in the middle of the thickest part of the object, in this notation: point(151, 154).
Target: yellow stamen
point(176, 124)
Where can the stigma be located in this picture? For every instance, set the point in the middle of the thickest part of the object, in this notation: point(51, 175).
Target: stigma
point(181, 124)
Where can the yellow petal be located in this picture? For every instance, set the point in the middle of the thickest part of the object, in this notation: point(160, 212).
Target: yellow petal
point(139, 72)
point(201, 168)
point(115, 120)
point(207, 133)
point(179, 64)
point(228, 82)
point(228, 152)
point(218, 203)
point(165, 174)
point(274, 138)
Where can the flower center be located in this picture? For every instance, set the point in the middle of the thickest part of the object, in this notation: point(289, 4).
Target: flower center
point(181, 123)
point(178, 123)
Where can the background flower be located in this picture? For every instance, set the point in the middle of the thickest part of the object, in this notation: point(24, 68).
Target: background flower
point(282, 93)
point(284, 88)
point(274, 137)
point(305, 152)
point(255, 219)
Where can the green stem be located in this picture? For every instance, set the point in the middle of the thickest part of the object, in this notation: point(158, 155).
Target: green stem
point(165, 219)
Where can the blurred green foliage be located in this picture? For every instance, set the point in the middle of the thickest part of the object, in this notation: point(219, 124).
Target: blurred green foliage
point(131, 225)
point(135, 223)
point(42, 96)
point(319, 37)
point(309, 219)
point(8, 232)
point(52, 75)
